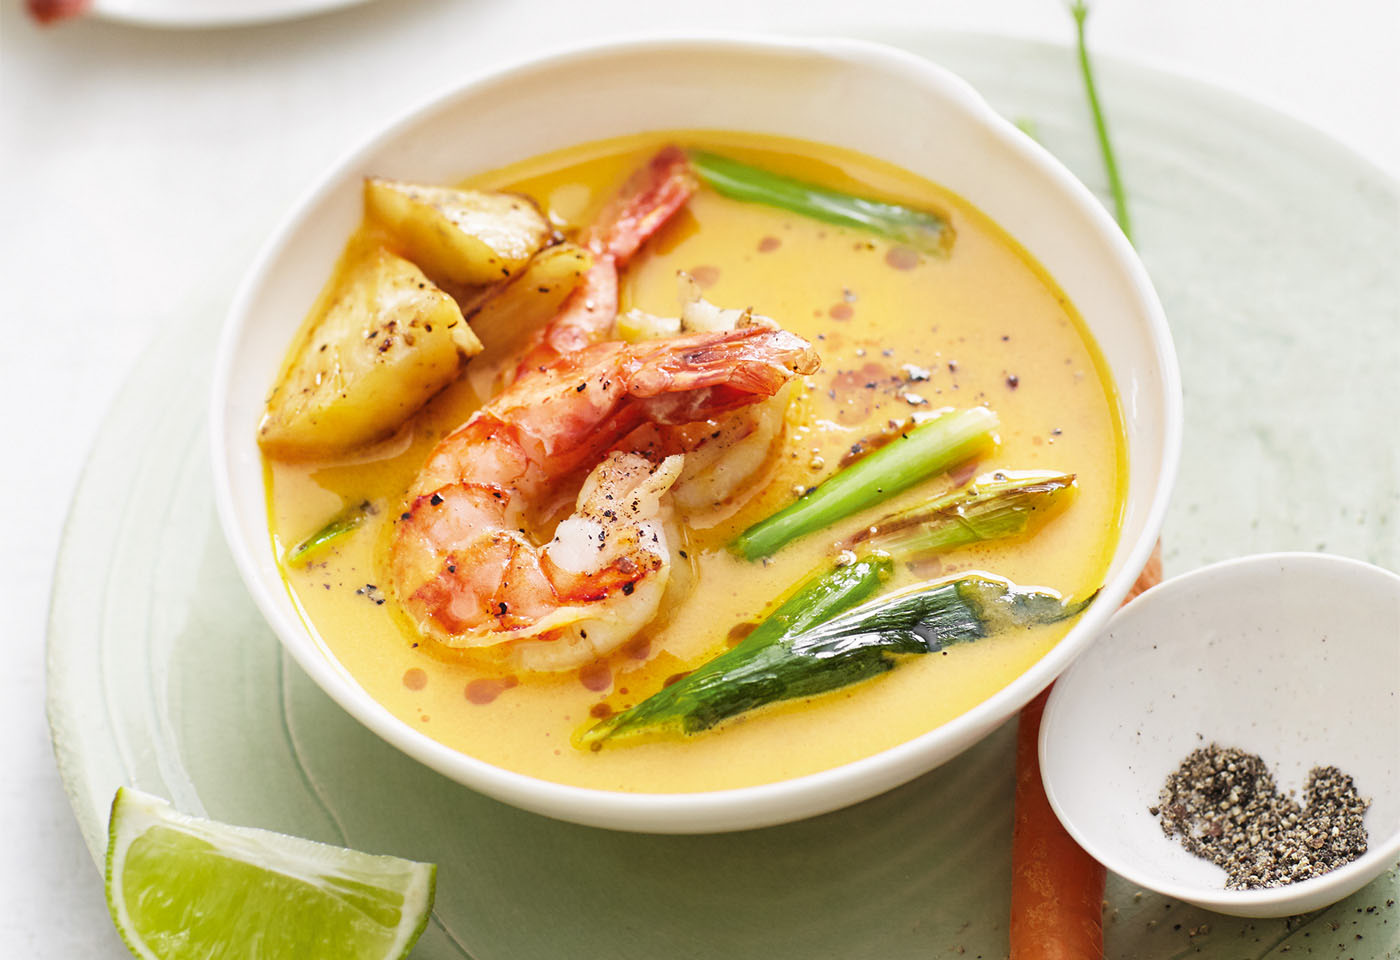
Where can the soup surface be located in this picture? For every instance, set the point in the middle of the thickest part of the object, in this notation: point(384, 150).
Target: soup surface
point(898, 333)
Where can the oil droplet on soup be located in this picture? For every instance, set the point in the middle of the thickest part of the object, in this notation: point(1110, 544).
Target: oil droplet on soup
point(898, 333)
point(484, 690)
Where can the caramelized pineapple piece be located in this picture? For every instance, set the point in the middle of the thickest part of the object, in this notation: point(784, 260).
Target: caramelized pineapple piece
point(517, 310)
point(506, 318)
point(459, 236)
point(387, 341)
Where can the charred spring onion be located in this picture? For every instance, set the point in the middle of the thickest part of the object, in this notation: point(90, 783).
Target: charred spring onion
point(924, 451)
point(792, 654)
point(343, 523)
point(820, 598)
point(1004, 503)
point(922, 229)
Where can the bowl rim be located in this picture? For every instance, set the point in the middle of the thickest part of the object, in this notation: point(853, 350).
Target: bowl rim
point(1350, 875)
point(740, 807)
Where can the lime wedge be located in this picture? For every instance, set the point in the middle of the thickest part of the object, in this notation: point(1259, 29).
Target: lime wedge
point(181, 888)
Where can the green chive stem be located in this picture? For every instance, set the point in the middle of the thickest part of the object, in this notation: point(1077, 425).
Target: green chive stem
point(1080, 10)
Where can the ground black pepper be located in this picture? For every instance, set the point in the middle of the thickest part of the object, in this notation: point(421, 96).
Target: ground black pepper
point(1224, 806)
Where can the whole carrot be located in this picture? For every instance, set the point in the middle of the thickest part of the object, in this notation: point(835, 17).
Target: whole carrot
point(1151, 574)
point(1056, 888)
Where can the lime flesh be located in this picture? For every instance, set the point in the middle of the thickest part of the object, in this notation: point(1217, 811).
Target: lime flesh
point(181, 888)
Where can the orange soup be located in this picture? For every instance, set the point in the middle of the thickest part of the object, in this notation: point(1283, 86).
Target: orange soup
point(901, 334)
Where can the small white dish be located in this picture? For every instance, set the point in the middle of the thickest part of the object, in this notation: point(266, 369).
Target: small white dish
point(848, 93)
point(1291, 656)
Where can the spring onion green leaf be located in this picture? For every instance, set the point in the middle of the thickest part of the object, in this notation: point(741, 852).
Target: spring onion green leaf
point(923, 230)
point(820, 598)
point(789, 661)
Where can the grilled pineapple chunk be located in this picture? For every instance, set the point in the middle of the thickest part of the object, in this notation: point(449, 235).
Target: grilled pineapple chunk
point(386, 342)
point(459, 236)
point(516, 310)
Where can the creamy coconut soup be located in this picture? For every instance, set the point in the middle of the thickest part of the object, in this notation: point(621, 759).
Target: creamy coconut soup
point(466, 376)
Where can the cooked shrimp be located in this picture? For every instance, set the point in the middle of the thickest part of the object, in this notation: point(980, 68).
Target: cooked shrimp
point(618, 531)
point(649, 198)
point(724, 456)
point(462, 563)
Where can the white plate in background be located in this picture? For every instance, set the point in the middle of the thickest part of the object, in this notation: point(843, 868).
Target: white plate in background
point(211, 13)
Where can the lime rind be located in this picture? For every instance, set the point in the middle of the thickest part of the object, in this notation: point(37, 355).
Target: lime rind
point(275, 895)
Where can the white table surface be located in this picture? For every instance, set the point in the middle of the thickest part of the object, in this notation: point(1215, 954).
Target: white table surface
point(141, 169)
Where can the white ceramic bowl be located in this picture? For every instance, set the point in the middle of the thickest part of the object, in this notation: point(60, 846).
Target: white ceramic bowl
point(863, 96)
point(1292, 656)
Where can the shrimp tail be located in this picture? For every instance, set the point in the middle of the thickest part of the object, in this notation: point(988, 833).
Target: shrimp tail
point(585, 317)
point(649, 198)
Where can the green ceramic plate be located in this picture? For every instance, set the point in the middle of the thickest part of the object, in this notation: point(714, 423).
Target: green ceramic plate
point(1275, 253)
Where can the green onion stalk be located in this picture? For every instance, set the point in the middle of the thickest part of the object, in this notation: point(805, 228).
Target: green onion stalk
point(808, 646)
point(995, 506)
point(341, 525)
point(928, 449)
